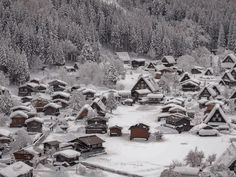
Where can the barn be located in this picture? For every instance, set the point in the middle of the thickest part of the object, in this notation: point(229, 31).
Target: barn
point(52, 109)
point(139, 131)
point(18, 119)
point(34, 124)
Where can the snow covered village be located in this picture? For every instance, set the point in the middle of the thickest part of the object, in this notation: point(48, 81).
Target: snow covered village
point(115, 88)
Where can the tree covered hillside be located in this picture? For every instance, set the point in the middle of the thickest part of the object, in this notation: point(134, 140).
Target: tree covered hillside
point(53, 32)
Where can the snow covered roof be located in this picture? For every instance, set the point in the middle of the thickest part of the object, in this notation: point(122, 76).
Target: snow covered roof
point(124, 92)
point(139, 59)
point(230, 76)
point(68, 153)
point(143, 91)
point(32, 150)
point(232, 56)
point(170, 59)
point(215, 102)
point(177, 107)
point(191, 81)
point(90, 110)
point(150, 81)
point(21, 107)
point(56, 81)
point(88, 91)
point(91, 140)
point(155, 95)
point(16, 169)
point(32, 84)
point(53, 105)
point(183, 75)
point(18, 114)
point(185, 170)
point(216, 107)
point(229, 156)
point(124, 56)
point(210, 90)
point(37, 119)
point(5, 132)
point(63, 94)
point(209, 70)
point(99, 102)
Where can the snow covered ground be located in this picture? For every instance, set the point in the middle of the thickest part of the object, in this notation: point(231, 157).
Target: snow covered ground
point(149, 158)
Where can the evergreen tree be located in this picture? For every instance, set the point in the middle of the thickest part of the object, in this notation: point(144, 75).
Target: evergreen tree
point(221, 37)
point(110, 75)
point(111, 102)
point(232, 34)
point(87, 54)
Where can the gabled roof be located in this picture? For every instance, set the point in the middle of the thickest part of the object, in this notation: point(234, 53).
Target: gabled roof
point(170, 59)
point(228, 73)
point(150, 81)
point(229, 156)
point(140, 125)
point(16, 169)
point(36, 119)
point(233, 96)
point(18, 114)
point(124, 56)
point(57, 82)
point(182, 77)
point(209, 89)
point(232, 56)
point(99, 102)
point(209, 70)
point(52, 105)
point(191, 81)
point(216, 108)
point(91, 140)
point(68, 153)
point(63, 94)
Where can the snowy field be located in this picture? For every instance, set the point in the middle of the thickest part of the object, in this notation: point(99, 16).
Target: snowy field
point(149, 158)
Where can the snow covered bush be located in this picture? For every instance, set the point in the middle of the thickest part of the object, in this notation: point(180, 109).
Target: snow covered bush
point(181, 63)
point(217, 171)
point(77, 100)
point(6, 103)
point(22, 139)
point(211, 158)
point(111, 102)
point(194, 158)
point(170, 173)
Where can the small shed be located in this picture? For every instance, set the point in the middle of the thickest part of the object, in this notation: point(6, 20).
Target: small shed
point(69, 156)
point(115, 131)
point(139, 131)
point(18, 119)
point(34, 124)
point(52, 109)
point(155, 98)
point(61, 95)
point(57, 85)
point(138, 62)
point(89, 93)
point(168, 61)
point(179, 122)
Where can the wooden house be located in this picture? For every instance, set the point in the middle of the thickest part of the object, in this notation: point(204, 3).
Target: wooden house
point(41, 88)
point(207, 93)
point(69, 156)
point(23, 108)
point(18, 119)
point(17, 169)
point(89, 94)
point(98, 105)
point(52, 109)
point(40, 102)
point(233, 96)
point(216, 89)
point(5, 136)
point(179, 122)
point(86, 112)
point(168, 61)
point(89, 145)
point(184, 77)
point(211, 104)
point(35, 80)
point(135, 63)
point(139, 131)
point(25, 90)
point(96, 125)
point(228, 61)
point(178, 109)
point(115, 131)
point(190, 85)
point(51, 144)
point(4, 90)
point(34, 124)
point(216, 117)
point(209, 72)
point(27, 154)
point(57, 85)
point(144, 82)
point(124, 57)
point(228, 79)
point(155, 98)
point(128, 102)
point(61, 95)
point(228, 157)
point(197, 70)
point(151, 67)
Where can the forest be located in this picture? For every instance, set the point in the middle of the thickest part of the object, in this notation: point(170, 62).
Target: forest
point(52, 32)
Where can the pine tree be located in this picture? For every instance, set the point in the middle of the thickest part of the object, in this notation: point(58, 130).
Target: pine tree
point(221, 37)
point(167, 50)
point(77, 100)
point(232, 34)
point(87, 54)
point(115, 37)
point(111, 102)
point(111, 75)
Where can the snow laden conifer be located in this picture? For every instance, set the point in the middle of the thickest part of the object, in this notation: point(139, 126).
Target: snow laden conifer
point(77, 100)
point(87, 54)
point(110, 75)
point(6, 103)
point(194, 158)
point(111, 102)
